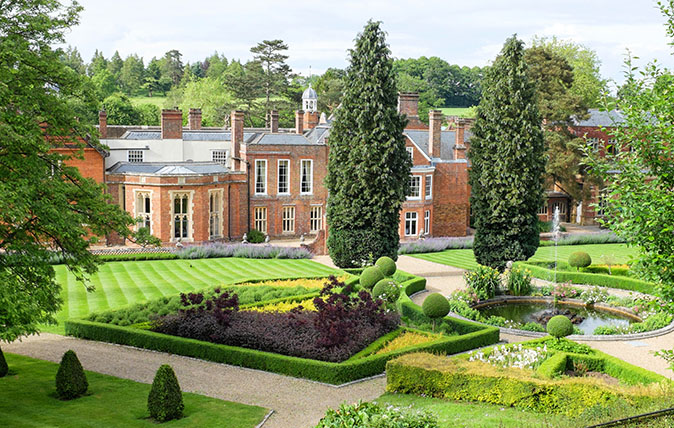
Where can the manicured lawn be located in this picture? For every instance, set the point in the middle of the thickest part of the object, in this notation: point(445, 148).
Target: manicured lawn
point(458, 111)
point(453, 414)
point(156, 100)
point(465, 259)
point(28, 399)
point(118, 284)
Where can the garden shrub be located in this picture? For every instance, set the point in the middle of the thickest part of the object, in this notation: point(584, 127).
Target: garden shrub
point(580, 259)
point(559, 326)
point(255, 236)
point(484, 281)
point(458, 379)
point(358, 247)
point(435, 306)
point(371, 415)
point(165, 401)
point(564, 345)
point(71, 382)
point(387, 290)
point(518, 281)
point(370, 276)
point(4, 368)
point(553, 366)
point(533, 326)
point(387, 265)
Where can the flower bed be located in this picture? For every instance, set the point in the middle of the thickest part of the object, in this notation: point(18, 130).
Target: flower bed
point(469, 336)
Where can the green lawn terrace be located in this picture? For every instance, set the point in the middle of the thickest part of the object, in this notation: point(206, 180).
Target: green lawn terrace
point(465, 259)
point(119, 284)
point(120, 327)
point(28, 399)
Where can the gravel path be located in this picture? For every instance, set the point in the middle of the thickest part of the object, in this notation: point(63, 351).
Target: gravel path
point(296, 403)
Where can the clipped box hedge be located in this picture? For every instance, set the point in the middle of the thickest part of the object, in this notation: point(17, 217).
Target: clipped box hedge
point(612, 281)
point(334, 373)
point(458, 379)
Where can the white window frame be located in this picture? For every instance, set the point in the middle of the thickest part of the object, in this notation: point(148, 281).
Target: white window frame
point(147, 215)
point(410, 151)
point(215, 213)
point(562, 207)
point(411, 219)
point(288, 219)
point(220, 156)
point(428, 187)
point(427, 222)
point(415, 196)
point(311, 176)
point(260, 219)
point(135, 156)
point(543, 210)
point(316, 218)
point(594, 143)
point(287, 176)
point(189, 215)
point(260, 180)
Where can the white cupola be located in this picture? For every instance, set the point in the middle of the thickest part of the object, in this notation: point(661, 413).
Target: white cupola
point(310, 100)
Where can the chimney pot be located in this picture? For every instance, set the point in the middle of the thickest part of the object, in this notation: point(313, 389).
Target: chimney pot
point(171, 124)
point(237, 138)
point(435, 118)
point(273, 121)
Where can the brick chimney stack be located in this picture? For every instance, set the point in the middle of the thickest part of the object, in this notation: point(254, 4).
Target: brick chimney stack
point(408, 104)
point(434, 133)
point(299, 122)
point(459, 145)
point(237, 138)
point(310, 119)
point(273, 121)
point(171, 124)
point(103, 124)
point(194, 119)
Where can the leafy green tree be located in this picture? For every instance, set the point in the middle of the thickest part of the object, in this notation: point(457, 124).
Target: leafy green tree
point(72, 58)
point(115, 66)
point(559, 105)
point(587, 81)
point(275, 75)
point(104, 83)
point(208, 94)
point(149, 114)
point(368, 168)
point(153, 79)
point(131, 75)
point(244, 83)
point(120, 110)
point(216, 65)
point(172, 66)
point(639, 198)
point(507, 162)
point(144, 238)
point(329, 87)
point(98, 63)
point(47, 207)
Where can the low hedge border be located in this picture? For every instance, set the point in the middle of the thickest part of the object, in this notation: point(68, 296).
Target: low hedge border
point(612, 281)
point(328, 372)
point(438, 377)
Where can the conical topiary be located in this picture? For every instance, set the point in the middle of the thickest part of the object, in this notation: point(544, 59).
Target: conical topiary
point(165, 401)
point(4, 369)
point(71, 382)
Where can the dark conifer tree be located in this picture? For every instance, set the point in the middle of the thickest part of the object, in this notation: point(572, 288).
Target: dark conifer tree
point(368, 169)
point(507, 162)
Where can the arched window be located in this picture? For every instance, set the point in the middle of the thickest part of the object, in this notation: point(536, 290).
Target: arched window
point(180, 216)
point(144, 210)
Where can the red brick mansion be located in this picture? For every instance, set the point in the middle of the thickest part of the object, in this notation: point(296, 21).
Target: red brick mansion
point(194, 184)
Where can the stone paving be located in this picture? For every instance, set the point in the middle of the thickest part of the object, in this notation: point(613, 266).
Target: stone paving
point(296, 403)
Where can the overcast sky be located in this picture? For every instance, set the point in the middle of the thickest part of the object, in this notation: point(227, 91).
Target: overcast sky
point(320, 32)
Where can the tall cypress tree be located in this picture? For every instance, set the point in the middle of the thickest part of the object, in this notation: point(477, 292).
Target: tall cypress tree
point(507, 162)
point(368, 169)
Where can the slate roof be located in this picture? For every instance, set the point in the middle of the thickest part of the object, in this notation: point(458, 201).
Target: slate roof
point(168, 169)
point(447, 139)
point(600, 118)
point(282, 139)
point(187, 135)
point(309, 93)
point(318, 134)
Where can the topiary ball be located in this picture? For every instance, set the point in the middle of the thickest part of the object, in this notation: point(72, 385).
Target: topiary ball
point(559, 326)
point(165, 401)
point(435, 306)
point(71, 382)
point(387, 288)
point(370, 276)
point(580, 259)
point(387, 265)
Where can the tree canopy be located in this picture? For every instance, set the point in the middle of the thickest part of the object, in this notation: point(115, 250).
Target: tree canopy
point(368, 168)
point(48, 209)
point(507, 162)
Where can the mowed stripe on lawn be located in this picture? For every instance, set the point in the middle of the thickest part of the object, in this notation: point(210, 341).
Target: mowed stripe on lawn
point(464, 259)
point(119, 284)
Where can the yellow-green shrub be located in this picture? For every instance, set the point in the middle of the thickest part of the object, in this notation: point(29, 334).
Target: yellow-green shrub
point(406, 339)
point(287, 306)
point(301, 282)
point(458, 379)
